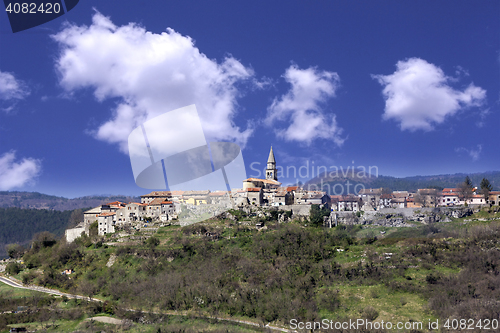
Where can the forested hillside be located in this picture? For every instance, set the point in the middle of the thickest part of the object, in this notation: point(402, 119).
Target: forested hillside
point(20, 225)
point(44, 201)
point(359, 179)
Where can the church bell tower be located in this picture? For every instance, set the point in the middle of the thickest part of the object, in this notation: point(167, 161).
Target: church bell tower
point(271, 171)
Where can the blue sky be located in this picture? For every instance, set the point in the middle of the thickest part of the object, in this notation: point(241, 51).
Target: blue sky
point(410, 87)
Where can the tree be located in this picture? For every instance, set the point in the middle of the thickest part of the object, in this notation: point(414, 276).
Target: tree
point(316, 214)
point(87, 288)
point(466, 189)
point(435, 197)
point(43, 239)
point(15, 250)
point(75, 218)
point(486, 188)
point(421, 199)
point(93, 229)
point(428, 197)
point(13, 268)
point(386, 190)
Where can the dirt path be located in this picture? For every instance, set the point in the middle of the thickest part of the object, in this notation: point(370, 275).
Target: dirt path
point(107, 320)
point(17, 284)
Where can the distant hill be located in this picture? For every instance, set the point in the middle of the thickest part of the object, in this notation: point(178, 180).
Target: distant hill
point(23, 214)
point(43, 201)
point(352, 182)
point(19, 225)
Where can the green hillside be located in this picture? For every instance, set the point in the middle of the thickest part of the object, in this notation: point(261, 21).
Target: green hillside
point(228, 268)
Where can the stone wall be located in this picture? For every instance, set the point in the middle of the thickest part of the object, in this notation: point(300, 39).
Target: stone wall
point(404, 216)
point(74, 233)
point(299, 210)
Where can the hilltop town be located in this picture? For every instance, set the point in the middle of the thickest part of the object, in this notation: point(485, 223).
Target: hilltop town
point(186, 207)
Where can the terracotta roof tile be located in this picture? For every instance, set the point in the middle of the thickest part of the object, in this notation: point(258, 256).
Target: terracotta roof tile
point(218, 193)
point(159, 194)
point(266, 181)
point(188, 193)
point(156, 201)
point(107, 214)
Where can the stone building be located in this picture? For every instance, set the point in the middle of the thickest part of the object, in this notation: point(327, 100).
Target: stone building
point(254, 196)
point(106, 223)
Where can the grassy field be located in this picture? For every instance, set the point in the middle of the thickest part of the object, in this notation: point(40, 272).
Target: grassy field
point(7, 291)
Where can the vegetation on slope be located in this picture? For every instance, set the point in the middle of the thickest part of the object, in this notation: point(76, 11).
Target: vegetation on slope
point(287, 271)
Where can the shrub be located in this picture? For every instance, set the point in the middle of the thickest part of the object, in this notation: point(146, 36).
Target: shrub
point(370, 313)
point(432, 279)
point(153, 241)
point(329, 300)
point(42, 240)
point(15, 250)
point(13, 268)
point(28, 277)
point(374, 293)
point(93, 232)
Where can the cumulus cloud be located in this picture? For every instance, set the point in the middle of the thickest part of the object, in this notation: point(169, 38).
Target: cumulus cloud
point(302, 107)
point(418, 95)
point(11, 89)
point(151, 74)
point(17, 173)
point(473, 153)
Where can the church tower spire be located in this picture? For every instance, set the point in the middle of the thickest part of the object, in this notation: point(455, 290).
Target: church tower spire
point(271, 171)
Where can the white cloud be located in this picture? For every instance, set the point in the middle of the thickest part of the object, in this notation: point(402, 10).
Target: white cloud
point(473, 153)
point(16, 174)
point(482, 117)
point(11, 89)
point(418, 97)
point(151, 74)
point(302, 106)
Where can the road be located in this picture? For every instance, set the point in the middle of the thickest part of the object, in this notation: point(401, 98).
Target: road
point(16, 284)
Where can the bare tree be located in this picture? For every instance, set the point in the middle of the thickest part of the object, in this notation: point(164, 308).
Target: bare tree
point(435, 197)
point(421, 199)
point(75, 218)
point(87, 288)
point(386, 190)
point(486, 188)
point(428, 197)
point(466, 189)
